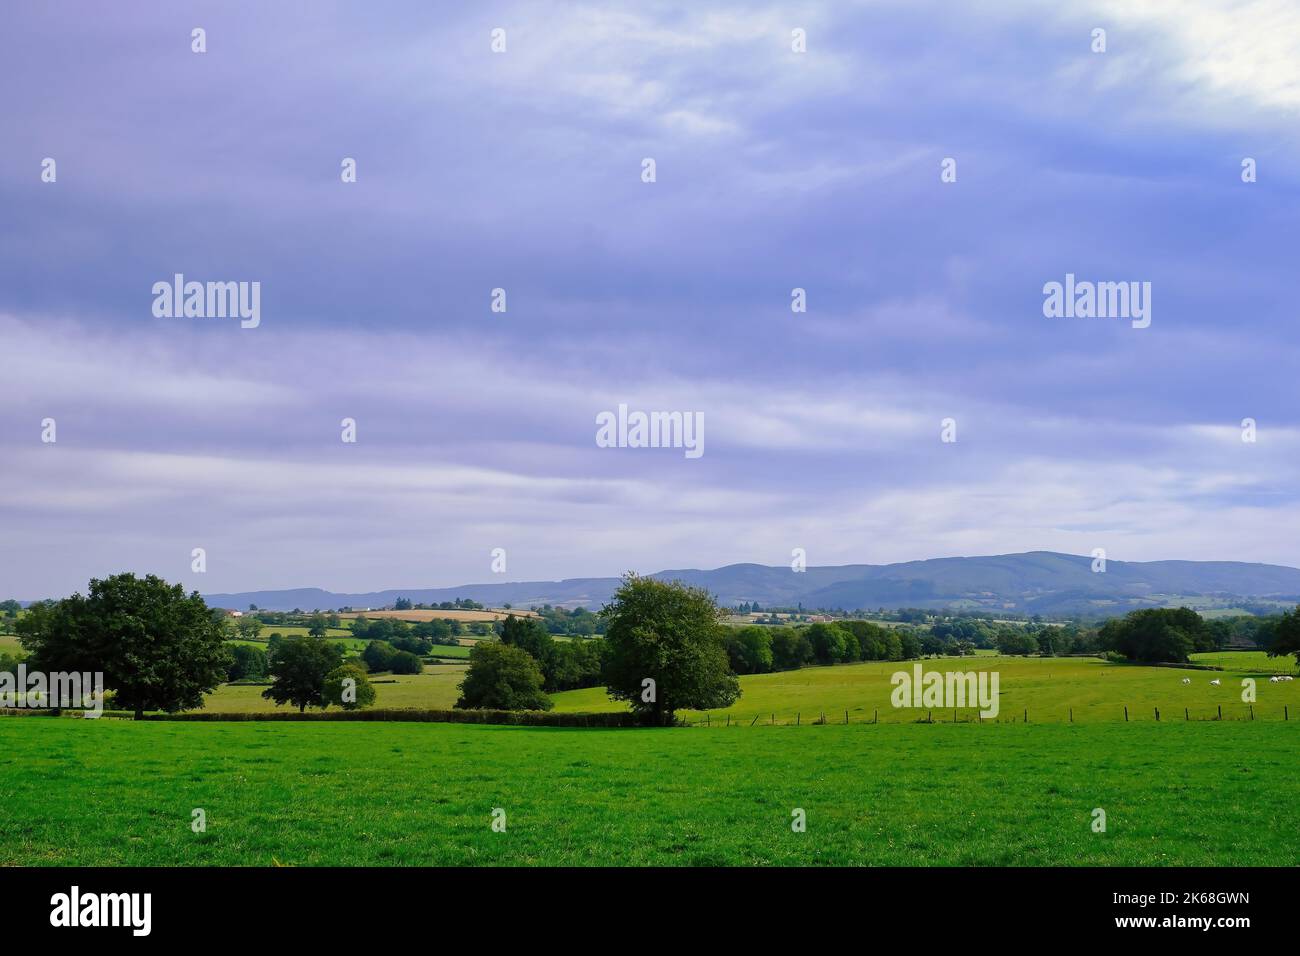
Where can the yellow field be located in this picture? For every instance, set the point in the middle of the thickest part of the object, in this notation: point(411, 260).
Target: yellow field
point(430, 615)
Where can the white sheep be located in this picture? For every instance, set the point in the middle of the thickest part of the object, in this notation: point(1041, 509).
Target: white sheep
point(1274, 680)
point(1187, 680)
point(1215, 682)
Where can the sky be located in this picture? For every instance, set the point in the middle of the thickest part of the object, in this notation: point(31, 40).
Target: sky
point(523, 169)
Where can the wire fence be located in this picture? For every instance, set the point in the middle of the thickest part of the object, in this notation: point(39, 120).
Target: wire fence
point(911, 715)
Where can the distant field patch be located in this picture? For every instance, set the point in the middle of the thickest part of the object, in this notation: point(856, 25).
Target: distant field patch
point(435, 688)
point(458, 651)
point(428, 615)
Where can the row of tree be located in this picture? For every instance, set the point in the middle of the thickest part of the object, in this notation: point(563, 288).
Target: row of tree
point(1172, 635)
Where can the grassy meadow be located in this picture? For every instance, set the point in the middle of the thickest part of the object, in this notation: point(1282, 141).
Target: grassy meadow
point(113, 792)
point(1049, 688)
point(436, 688)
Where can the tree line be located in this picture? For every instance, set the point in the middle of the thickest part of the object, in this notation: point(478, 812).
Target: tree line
point(665, 648)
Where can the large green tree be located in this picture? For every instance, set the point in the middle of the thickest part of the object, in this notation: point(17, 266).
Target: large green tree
point(299, 667)
point(529, 634)
point(665, 649)
point(829, 642)
point(749, 649)
point(157, 648)
point(1286, 635)
point(1157, 634)
point(502, 677)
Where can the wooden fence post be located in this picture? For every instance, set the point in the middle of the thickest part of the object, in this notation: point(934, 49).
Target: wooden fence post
point(1126, 713)
point(1220, 711)
point(1157, 715)
point(1186, 716)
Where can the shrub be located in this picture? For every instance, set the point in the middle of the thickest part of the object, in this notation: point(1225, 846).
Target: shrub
point(502, 677)
point(348, 687)
point(404, 662)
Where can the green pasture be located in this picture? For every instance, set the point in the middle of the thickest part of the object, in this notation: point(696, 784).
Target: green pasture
point(1051, 689)
point(111, 792)
point(435, 689)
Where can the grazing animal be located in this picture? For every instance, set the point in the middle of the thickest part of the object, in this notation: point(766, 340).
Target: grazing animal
point(1187, 680)
point(1215, 682)
point(1287, 677)
point(1274, 680)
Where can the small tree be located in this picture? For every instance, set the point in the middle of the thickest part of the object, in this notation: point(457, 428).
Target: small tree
point(665, 649)
point(501, 677)
point(299, 668)
point(348, 687)
point(248, 663)
point(248, 628)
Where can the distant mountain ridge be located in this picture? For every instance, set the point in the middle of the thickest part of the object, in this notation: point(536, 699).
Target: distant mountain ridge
point(1036, 582)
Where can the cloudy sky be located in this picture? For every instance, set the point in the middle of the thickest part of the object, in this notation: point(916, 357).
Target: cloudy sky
point(522, 170)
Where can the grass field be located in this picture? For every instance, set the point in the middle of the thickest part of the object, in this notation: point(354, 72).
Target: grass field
point(435, 688)
point(456, 651)
point(296, 631)
point(116, 792)
point(1049, 688)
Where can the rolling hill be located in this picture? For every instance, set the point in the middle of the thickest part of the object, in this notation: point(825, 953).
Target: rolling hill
point(1036, 582)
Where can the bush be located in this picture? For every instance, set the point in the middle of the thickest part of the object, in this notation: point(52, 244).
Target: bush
point(348, 687)
point(378, 656)
point(404, 662)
